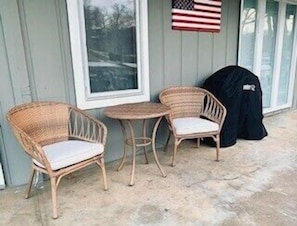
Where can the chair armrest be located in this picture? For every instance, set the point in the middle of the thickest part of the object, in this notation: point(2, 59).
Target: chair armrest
point(86, 127)
point(213, 109)
point(32, 148)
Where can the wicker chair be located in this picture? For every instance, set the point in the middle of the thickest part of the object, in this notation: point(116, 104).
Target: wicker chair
point(195, 113)
point(60, 139)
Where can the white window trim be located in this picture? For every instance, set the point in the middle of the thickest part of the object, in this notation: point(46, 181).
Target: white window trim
point(84, 98)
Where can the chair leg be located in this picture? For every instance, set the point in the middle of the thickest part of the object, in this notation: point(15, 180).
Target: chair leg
point(29, 185)
point(198, 142)
point(217, 147)
point(54, 196)
point(102, 166)
point(174, 153)
point(145, 155)
point(167, 142)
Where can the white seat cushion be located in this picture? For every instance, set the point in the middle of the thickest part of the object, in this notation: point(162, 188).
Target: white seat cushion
point(66, 153)
point(190, 125)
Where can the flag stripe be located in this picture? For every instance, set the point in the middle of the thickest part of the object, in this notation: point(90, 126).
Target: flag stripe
point(194, 29)
point(207, 8)
point(195, 25)
point(196, 19)
point(209, 2)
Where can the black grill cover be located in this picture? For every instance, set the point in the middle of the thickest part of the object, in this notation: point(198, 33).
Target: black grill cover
point(240, 92)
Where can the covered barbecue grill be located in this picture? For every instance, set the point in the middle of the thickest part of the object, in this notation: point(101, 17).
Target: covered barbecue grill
point(240, 92)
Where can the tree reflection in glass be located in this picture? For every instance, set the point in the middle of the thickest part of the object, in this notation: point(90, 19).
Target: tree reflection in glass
point(111, 44)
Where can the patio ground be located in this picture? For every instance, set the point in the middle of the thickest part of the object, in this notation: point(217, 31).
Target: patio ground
point(253, 184)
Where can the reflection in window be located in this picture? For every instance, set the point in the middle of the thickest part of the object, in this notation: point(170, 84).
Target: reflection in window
point(247, 35)
point(286, 55)
point(111, 45)
point(269, 42)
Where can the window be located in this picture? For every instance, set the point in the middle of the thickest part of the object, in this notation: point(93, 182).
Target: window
point(109, 45)
point(267, 46)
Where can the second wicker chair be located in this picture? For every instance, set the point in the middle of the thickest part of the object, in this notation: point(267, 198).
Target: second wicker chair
point(195, 113)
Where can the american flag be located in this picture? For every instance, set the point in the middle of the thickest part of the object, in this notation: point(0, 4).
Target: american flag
point(196, 15)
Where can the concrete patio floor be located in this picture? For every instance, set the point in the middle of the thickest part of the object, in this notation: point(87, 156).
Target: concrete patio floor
point(253, 184)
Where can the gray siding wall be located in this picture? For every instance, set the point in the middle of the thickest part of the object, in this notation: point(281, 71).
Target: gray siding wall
point(46, 40)
point(14, 89)
point(185, 57)
point(176, 58)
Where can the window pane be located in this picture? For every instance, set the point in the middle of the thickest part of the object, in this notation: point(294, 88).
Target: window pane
point(247, 35)
point(269, 42)
point(286, 55)
point(111, 44)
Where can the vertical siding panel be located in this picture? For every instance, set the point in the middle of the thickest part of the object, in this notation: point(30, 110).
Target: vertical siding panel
point(65, 51)
point(219, 44)
point(156, 47)
point(205, 55)
point(14, 89)
point(189, 58)
point(42, 27)
point(232, 32)
point(172, 49)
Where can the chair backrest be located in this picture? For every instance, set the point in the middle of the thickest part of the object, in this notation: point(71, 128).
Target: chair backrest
point(183, 101)
point(42, 122)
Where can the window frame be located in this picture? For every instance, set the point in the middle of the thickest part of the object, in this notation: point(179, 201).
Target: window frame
point(84, 98)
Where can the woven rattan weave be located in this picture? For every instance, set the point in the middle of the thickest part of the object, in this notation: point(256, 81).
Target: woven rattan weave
point(192, 102)
point(129, 113)
point(38, 124)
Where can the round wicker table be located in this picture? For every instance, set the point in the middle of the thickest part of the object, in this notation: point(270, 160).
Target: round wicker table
point(126, 114)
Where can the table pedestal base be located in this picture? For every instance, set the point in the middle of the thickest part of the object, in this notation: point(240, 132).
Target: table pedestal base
point(144, 141)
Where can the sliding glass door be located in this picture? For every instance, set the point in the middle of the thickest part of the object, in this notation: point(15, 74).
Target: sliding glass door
point(267, 48)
